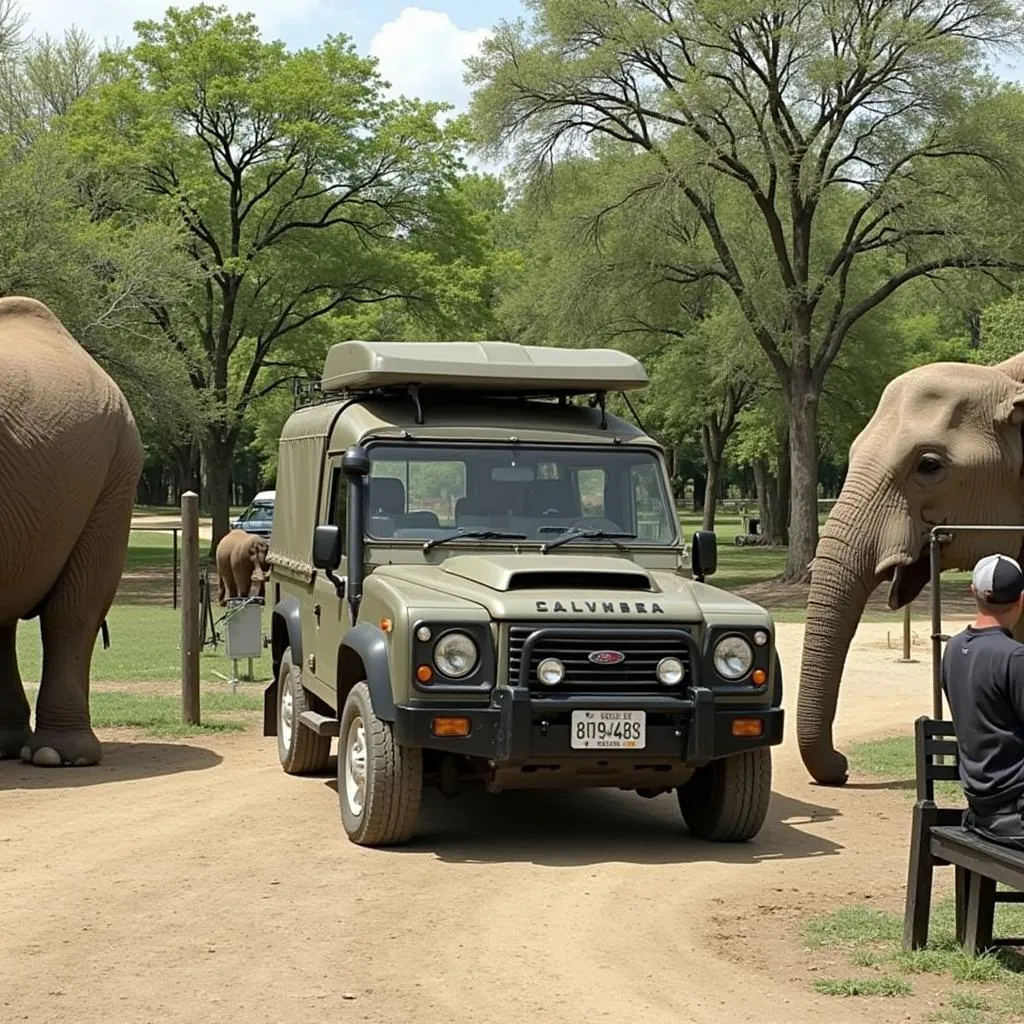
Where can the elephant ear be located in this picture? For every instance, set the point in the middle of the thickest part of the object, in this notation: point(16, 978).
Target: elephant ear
point(1011, 409)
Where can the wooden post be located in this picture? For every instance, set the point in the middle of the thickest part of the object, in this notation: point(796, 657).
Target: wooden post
point(190, 638)
point(906, 632)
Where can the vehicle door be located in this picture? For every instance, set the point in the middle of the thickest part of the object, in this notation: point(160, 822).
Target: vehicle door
point(330, 611)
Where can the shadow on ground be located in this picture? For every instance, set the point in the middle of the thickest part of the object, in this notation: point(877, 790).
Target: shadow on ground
point(122, 762)
point(567, 828)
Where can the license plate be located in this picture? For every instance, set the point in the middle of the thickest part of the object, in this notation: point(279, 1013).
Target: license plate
point(608, 730)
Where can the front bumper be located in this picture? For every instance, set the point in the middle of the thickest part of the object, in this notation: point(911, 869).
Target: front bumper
point(518, 728)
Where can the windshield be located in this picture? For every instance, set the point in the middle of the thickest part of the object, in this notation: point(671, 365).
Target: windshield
point(425, 492)
point(257, 513)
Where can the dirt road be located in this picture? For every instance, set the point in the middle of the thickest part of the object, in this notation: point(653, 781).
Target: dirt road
point(194, 882)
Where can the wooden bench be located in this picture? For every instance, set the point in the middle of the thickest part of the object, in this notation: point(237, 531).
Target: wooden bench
point(938, 838)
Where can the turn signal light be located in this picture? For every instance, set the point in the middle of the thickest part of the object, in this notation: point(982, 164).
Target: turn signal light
point(386, 625)
point(424, 673)
point(451, 727)
point(759, 676)
point(747, 726)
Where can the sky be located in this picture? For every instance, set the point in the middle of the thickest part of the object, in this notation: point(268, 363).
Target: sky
point(420, 48)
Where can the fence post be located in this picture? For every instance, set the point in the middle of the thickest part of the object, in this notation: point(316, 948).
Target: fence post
point(190, 640)
point(174, 574)
point(906, 632)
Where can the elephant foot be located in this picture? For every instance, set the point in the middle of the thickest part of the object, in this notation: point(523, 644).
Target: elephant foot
point(62, 748)
point(12, 739)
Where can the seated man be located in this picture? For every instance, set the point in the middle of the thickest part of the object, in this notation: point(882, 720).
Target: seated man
point(983, 678)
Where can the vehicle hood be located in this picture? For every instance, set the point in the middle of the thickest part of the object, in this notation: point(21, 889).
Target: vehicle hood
point(517, 586)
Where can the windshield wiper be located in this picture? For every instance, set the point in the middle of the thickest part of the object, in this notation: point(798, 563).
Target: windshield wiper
point(589, 534)
point(482, 533)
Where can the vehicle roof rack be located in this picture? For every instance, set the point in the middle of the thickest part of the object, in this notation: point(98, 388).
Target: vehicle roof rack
point(493, 367)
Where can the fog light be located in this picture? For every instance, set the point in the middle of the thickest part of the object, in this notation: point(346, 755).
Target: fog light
point(424, 673)
point(451, 727)
point(670, 671)
point(747, 726)
point(423, 634)
point(550, 671)
point(760, 638)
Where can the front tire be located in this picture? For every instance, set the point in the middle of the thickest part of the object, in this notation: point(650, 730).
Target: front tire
point(727, 799)
point(301, 751)
point(380, 783)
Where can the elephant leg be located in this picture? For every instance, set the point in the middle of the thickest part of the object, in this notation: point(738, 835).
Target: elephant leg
point(14, 709)
point(70, 622)
point(243, 582)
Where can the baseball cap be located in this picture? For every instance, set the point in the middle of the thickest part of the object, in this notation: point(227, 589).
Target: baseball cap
point(998, 579)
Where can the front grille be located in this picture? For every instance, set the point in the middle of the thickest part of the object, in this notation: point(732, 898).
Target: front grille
point(642, 648)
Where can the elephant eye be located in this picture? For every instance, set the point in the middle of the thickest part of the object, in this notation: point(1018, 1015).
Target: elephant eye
point(929, 465)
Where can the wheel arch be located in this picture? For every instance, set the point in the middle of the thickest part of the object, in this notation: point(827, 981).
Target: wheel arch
point(364, 656)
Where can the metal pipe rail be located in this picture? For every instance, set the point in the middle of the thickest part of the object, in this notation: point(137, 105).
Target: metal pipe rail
point(938, 536)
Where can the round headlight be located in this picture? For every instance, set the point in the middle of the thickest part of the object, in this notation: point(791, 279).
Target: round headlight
point(550, 671)
point(670, 671)
point(455, 655)
point(733, 657)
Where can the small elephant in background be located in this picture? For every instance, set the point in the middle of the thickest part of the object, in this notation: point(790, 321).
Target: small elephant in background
point(241, 561)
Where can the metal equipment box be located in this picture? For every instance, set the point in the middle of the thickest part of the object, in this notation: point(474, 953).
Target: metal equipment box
point(243, 629)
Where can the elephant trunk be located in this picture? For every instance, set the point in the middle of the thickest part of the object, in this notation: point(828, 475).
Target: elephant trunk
point(845, 572)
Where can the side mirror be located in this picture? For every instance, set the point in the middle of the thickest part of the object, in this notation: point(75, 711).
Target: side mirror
point(704, 554)
point(327, 547)
point(355, 462)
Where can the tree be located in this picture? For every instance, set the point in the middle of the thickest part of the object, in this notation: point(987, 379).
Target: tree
point(861, 142)
point(295, 181)
point(605, 264)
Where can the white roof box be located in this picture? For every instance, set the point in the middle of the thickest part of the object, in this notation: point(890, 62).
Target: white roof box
point(495, 366)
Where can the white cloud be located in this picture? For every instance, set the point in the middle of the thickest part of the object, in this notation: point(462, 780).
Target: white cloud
point(421, 54)
point(112, 19)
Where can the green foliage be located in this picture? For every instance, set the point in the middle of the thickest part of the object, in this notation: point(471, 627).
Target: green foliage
point(1002, 330)
point(299, 190)
point(819, 158)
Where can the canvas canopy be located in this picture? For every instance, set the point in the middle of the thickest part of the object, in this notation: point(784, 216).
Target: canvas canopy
point(495, 366)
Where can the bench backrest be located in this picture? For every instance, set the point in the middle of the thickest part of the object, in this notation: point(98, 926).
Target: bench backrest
point(934, 738)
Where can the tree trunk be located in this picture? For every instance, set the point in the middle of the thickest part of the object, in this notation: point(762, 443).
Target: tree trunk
point(713, 452)
point(218, 452)
point(188, 460)
point(803, 449)
point(784, 489)
point(700, 486)
point(767, 487)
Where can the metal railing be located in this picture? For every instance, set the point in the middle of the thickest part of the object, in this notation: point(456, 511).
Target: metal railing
point(938, 536)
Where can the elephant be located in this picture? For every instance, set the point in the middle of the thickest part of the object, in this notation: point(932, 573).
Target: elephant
point(70, 461)
point(241, 560)
point(943, 447)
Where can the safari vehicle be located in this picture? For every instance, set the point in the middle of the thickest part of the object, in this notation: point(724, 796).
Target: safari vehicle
point(477, 578)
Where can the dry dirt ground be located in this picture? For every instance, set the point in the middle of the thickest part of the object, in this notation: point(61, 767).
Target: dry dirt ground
point(195, 882)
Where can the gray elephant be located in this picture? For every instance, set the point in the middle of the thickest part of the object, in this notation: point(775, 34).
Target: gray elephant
point(944, 446)
point(70, 462)
point(241, 561)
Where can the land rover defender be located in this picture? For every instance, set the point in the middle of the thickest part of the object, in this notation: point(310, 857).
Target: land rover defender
point(478, 578)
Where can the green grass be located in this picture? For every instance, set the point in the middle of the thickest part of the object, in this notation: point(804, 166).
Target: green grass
point(144, 646)
point(160, 715)
point(871, 940)
point(892, 758)
point(862, 987)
